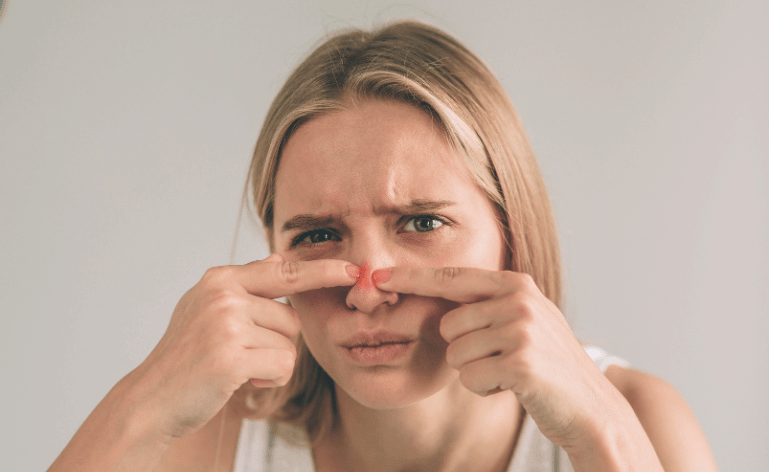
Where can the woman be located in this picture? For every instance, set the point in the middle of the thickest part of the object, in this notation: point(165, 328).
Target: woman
point(412, 236)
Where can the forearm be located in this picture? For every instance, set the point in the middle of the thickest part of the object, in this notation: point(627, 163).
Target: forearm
point(618, 443)
point(119, 435)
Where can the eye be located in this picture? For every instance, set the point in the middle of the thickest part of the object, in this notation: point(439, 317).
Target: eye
point(316, 236)
point(423, 223)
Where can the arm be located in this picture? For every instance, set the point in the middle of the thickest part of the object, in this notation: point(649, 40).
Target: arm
point(650, 427)
point(225, 331)
point(506, 335)
point(119, 435)
point(666, 419)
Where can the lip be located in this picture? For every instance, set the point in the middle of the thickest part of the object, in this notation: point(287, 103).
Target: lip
point(379, 347)
point(375, 338)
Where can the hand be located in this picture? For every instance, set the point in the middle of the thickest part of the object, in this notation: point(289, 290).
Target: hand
point(228, 330)
point(508, 336)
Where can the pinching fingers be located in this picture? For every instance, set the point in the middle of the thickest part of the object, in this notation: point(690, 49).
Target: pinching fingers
point(458, 284)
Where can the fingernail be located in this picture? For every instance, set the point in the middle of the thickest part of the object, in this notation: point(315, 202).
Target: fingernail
point(380, 276)
point(353, 271)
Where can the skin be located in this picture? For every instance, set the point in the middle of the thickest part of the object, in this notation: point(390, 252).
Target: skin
point(486, 342)
point(480, 329)
point(225, 331)
point(374, 163)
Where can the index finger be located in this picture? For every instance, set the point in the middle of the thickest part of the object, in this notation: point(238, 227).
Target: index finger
point(275, 279)
point(458, 284)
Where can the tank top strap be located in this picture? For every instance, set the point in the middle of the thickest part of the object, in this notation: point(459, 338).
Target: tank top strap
point(254, 443)
point(603, 359)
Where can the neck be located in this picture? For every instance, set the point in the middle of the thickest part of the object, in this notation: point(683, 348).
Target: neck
point(452, 430)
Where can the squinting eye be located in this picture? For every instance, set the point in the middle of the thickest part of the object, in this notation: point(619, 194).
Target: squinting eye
point(315, 237)
point(423, 224)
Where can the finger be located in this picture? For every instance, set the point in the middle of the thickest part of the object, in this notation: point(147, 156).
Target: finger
point(484, 376)
point(263, 338)
point(275, 316)
point(274, 257)
point(466, 319)
point(459, 284)
point(279, 279)
point(475, 346)
point(268, 364)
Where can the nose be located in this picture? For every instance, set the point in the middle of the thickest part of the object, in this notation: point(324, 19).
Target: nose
point(365, 296)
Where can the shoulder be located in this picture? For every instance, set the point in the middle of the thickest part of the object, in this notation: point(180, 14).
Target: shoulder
point(667, 419)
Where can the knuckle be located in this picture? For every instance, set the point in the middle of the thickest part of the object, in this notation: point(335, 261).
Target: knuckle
point(528, 281)
point(217, 275)
point(451, 355)
point(288, 272)
point(223, 360)
point(288, 346)
point(508, 277)
point(446, 274)
point(447, 326)
point(525, 337)
point(283, 361)
point(230, 328)
point(293, 318)
point(225, 302)
point(522, 304)
point(469, 378)
point(295, 325)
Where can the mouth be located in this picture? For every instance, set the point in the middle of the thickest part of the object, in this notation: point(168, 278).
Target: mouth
point(379, 347)
point(375, 339)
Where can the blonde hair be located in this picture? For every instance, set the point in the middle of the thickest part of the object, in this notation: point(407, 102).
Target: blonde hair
point(425, 67)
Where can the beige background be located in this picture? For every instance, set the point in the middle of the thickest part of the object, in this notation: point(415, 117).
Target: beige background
point(126, 130)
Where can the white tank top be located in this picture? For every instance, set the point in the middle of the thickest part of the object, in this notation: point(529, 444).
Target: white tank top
point(264, 446)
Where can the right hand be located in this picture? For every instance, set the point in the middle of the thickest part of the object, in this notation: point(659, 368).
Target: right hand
point(225, 331)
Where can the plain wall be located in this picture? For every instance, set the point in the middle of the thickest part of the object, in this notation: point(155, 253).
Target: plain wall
point(126, 129)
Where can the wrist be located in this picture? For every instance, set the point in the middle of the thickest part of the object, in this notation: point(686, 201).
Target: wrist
point(137, 411)
point(119, 435)
point(614, 441)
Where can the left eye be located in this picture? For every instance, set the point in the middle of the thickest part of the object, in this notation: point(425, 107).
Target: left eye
point(423, 224)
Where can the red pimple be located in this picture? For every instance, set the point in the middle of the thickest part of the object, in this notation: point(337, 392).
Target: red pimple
point(364, 280)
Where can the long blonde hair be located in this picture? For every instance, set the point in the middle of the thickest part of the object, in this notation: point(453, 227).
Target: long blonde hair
point(423, 66)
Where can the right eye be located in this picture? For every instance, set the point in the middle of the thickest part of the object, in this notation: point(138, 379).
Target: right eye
point(316, 236)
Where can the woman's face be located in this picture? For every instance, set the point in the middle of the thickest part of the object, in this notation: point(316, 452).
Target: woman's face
point(379, 186)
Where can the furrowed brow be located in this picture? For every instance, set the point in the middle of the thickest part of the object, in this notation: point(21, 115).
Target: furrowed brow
point(310, 221)
point(306, 221)
point(417, 206)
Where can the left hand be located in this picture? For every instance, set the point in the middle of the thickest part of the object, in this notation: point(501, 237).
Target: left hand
point(507, 335)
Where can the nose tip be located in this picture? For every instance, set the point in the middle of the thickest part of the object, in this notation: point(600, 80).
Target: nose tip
point(364, 296)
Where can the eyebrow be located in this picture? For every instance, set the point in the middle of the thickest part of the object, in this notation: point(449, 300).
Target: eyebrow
point(307, 221)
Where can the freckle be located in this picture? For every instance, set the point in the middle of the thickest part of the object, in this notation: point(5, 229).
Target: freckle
point(364, 281)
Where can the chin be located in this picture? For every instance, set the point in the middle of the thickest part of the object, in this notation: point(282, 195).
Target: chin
point(384, 388)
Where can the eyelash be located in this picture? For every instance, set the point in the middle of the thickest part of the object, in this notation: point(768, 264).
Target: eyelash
point(299, 239)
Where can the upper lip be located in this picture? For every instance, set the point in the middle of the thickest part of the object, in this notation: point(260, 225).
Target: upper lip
point(375, 338)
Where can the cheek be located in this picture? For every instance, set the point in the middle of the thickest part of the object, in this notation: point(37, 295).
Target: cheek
point(316, 308)
point(479, 250)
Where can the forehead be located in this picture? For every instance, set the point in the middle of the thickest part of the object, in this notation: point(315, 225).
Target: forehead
point(378, 153)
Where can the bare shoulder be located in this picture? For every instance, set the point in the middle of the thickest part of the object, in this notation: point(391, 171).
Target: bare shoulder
point(211, 448)
point(667, 419)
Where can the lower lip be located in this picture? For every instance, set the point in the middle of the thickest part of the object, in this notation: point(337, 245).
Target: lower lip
point(382, 354)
